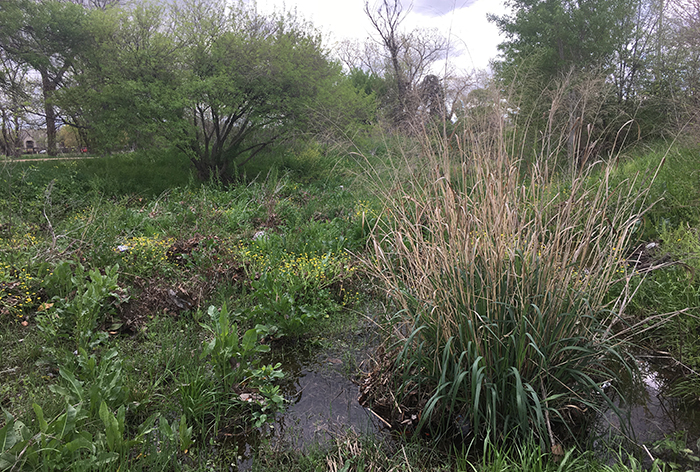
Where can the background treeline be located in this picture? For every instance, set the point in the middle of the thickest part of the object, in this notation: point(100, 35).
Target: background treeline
point(221, 83)
point(218, 82)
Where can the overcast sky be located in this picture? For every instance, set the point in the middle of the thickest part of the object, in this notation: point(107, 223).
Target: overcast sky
point(473, 38)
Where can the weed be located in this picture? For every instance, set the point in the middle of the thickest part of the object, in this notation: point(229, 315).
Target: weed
point(278, 307)
point(77, 318)
point(230, 355)
point(144, 255)
point(18, 291)
point(234, 363)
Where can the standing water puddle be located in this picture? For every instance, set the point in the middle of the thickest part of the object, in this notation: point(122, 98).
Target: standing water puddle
point(320, 402)
point(653, 413)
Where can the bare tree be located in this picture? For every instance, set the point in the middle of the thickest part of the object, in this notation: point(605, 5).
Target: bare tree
point(13, 97)
point(367, 56)
point(386, 19)
point(407, 57)
point(96, 4)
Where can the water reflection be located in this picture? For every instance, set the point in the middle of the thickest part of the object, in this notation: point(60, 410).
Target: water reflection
point(653, 412)
point(320, 402)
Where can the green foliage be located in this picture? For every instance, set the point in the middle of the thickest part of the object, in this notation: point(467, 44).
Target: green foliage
point(19, 287)
point(93, 383)
point(58, 444)
point(75, 286)
point(292, 290)
point(79, 317)
point(368, 82)
point(46, 36)
point(674, 450)
point(125, 81)
point(297, 277)
point(566, 33)
point(279, 308)
point(225, 90)
point(231, 355)
point(676, 187)
point(234, 363)
point(92, 393)
point(603, 53)
point(198, 395)
point(273, 401)
point(146, 174)
point(221, 85)
point(145, 255)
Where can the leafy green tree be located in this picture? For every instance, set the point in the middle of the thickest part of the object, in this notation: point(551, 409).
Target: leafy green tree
point(123, 92)
point(46, 36)
point(251, 82)
point(558, 58)
point(566, 33)
point(219, 82)
point(676, 85)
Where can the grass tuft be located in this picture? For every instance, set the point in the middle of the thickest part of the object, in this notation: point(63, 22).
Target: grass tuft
point(502, 277)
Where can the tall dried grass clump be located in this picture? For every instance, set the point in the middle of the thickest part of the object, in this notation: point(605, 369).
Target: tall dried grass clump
point(502, 278)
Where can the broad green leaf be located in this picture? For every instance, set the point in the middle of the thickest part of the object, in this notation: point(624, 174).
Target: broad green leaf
point(223, 321)
point(250, 338)
point(7, 461)
point(71, 416)
point(111, 427)
point(75, 385)
point(43, 426)
point(80, 443)
point(165, 429)
point(8, 436)
point(104, 458)
point(208, 348)
point(121, 420)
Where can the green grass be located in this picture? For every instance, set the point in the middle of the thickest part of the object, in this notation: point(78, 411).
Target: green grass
point(119, 259)
point(351, 452)
point(676, 188)
point(672, 228)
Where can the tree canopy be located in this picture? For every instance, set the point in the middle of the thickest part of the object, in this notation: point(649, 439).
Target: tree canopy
point(566, 33)
point(219, 81)
point(614, 44)
point(47, 37)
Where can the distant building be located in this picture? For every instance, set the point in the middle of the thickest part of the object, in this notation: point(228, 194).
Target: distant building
point(33, 140)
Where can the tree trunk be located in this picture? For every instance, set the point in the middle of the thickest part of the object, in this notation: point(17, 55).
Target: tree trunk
point(48, 87)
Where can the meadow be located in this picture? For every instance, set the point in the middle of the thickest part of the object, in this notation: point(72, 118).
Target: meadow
point(139, 307)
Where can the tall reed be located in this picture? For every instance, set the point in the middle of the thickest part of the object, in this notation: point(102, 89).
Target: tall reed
point(502, 277)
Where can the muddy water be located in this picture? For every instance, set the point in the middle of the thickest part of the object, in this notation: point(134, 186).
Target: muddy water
point(321, 402)
point(653, 412)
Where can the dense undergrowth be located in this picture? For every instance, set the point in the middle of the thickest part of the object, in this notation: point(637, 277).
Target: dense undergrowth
point(135, 310)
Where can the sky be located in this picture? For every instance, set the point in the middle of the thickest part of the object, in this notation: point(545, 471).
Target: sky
point(473, 39)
